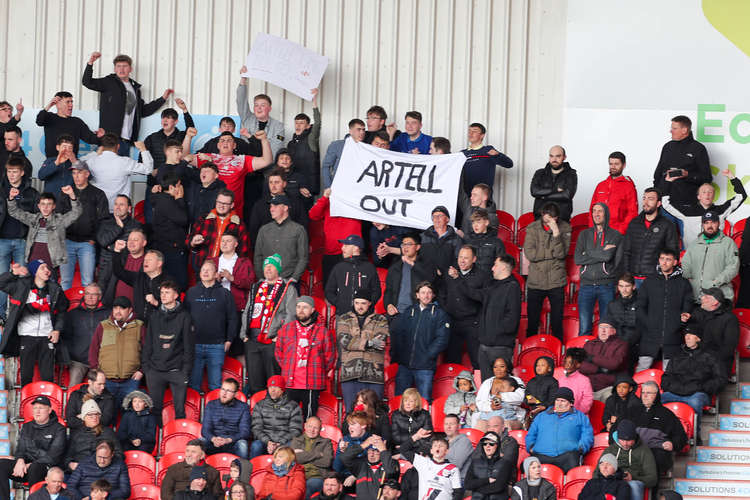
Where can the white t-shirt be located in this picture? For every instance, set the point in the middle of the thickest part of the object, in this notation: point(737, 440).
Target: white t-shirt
point(227, 264)
point(130, 104)
point(436, 480)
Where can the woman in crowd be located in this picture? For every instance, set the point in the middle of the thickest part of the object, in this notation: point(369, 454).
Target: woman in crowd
point(491, 399)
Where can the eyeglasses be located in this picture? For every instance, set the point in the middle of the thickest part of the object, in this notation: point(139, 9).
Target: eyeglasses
point(489, 444)
point(407, 245)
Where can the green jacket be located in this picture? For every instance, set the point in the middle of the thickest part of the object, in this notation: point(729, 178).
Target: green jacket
point(638, 460)
point(711, 263)
point(546, 255)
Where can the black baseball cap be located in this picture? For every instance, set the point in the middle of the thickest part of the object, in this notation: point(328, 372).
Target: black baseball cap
point(41, 400)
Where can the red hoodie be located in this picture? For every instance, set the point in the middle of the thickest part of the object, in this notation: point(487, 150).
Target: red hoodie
point(334, 228)
point(620, 196)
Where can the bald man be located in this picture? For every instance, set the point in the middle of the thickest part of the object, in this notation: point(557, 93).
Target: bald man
point(556, 182)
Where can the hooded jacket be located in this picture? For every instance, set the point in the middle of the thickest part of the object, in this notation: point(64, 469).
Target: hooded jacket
point(483, 468)
point(455, 401)
point(642, 243)
point(619, 194)
point(137, 424)
point(112, 99)
point(488, 247)
point(721, 332)
point(605, 488)
point(553, 433)
point(658, 424)
point(419, 336)
point(105, 401)
point(290, 486)
point(558, 188)
point(170, 341)
point(360, 361)
point(599, 266)
point(687, 154)
point(116, 347)
point(501, 310)
point(80, 325)
point(351, 275)
point(661, 300)
point(638, 460)
point(617, 407)
point(604, 361)
point(170, 223)
point(622, 313)
point(710, 263)
point(693, 370)
point(276, 420)
point(543, 387)
point(305, 151)
point(546, 254)
point(42, 443)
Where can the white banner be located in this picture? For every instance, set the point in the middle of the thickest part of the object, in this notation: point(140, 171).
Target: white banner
point(285, 64)
point(399, 189)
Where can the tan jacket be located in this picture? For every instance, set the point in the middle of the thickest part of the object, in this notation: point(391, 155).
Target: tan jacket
point(358, 360)
point(120, 350)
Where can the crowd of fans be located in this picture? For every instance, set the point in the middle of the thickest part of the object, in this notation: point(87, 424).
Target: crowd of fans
point(236, 249)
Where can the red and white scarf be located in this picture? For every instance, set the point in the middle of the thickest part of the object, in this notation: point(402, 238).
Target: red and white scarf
point(263, 309)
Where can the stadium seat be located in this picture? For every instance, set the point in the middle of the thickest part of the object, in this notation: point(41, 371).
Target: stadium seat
point(442, 381)
point(30, 391)
point(177, 433)
point(571, 328)
point(576, 479)
point(506, 229)
point(221, 462)
point(578, 341)
point(255, 398)
point(395, 402)
point(743, 346)
point(522, 455)
point(331, 432)
point(36, 378)
point(389, 389)
point(574, 277)
point(403, 465)
point(739, 227)
point(581, 219)
point(575, 231)
point(727, 228)
point(595, 415)
point(261, 462)
point(652, 374)
point(520, 437)
point(687, 418)
point(554, 475)
point(592, 457)
point(139, 211)
point(328, 409)
point(74, 296)
point(539, 345)
point(166, 461)
point(474, 435)
point(437, 413)
point(525, 372)
point(379, 306)
point(141, 467)
point(521, 224)
point(192, 406)
point(145, 492)
point(232, 369)
point(215, 395)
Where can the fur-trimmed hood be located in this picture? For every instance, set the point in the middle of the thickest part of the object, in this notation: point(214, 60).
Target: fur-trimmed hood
point(137, 394)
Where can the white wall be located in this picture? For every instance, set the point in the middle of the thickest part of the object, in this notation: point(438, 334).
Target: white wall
point(499, 62)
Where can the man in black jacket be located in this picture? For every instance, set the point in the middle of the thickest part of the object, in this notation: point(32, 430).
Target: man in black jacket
point(463, 310)
point(440, 243)
point(145, 282)
point(556, 182)
point(683, 165)
point(721, 328)
point(168, 350)
point(648, 233)
point(155, 141)
point(12, 140)
point(354, 273)
point(63, 122)
point(121, 106)
point(170, 227)
point(95, 389)
point(260, 213)
point(500, 315)
point(404, 274)
point(41, 445)
point(242, 146)
point(116, 227)
point(80, 325)
point(12, 231)
point(80, 237)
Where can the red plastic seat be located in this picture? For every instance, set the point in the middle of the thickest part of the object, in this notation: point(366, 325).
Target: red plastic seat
point(261, 462)
point(379, 306)
point(474, 435)
point(515, 252)
point(525, 373)
point(141, 467)
point(576, 479)
point(595, 415)
point(166, 461)
point(221, 462)
point(575, 232)
point(539, 345)
point(578, 341)
point(328, 408)
point(523, 221)
point(442, 387)
point(727, 227)
point(139, 212)
point(554, 475)
point(743, 346)
point(438, 413)
point(331, 432)
point(506, 226)
point(192, 406)
point(650, 374)
point(592, 457)
point(395, 402)
point(571, 327)
point(520, 436)
point(177, 433)
point(232, 368)
point(687, 418)
point(30, 391)
point(255, 398)
point(389, 388)
point(582, 219)
point(574, 276)
point(403, 465)
point(74, 296)
point(145, 492)
point(215, 395)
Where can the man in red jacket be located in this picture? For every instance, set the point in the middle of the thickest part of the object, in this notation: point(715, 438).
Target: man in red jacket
point(618, 192)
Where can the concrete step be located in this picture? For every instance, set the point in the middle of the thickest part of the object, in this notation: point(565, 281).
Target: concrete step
point(712, 488)
point(734, 422)
point(727, 455)
point(729, 439)
point(739, 407)
point(709, 470)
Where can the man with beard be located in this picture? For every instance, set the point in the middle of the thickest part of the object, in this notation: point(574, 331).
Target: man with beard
point(556, 182)
point(646, 234)
point(712, 260)
point(332, 489)
point(306, 354)
point(721, 328)
point(116, 227)
point(618, 192)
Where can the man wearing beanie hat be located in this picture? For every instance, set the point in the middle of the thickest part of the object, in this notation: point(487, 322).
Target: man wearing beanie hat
point(721, 328)
point(271, 302)
point(712, 259)
point(306, 354)
point(606, 358)
point(533, 485)
point(440, 242)
point(560, 435)
point(634, 459)
point(196, 490)
point(276, 419)
point(354, 274)
point(283, 236)
point(35, 318)
point(116, 349)
point(608, 483)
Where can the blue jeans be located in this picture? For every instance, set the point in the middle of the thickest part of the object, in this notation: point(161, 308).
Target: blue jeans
point(696, 401)
point(313, 485)
point(10, 250)
point(258, 448)
point(239, 448)
point(210, 356)
point(422, 379)
point(587, 297)
point(85, 254)
point(636, 489)
point(121, 389)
